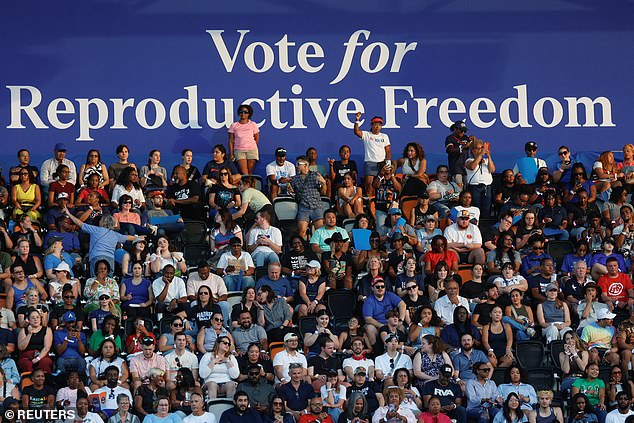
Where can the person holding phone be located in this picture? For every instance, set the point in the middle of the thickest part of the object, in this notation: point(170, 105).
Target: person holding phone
point(70, 345)
point(480, 169)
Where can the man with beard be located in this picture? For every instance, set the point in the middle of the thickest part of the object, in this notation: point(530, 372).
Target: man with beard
point(316, 412)
point(170, 292)
point(482, 313)
point(247, 333)
point(285, 359)
point(358, 359)
point(199, 415)
point(259, 390)
point(368, 388)
point(623, 411)
point(449, 392)
point(240, 413)
point(464, 360)
point(112, 390)
point(183, 195)
point(180, 357)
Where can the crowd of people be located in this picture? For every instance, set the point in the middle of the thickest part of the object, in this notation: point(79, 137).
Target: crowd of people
point(107, 314)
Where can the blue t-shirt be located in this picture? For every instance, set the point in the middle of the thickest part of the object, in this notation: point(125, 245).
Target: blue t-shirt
point(281, 287)
point(51, 261)
point(102, 241)
point(72, 348)
point(376, 309)
point(140, 293)
point(99, 314)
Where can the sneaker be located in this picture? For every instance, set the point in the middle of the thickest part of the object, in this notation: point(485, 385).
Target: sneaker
point(531, 332)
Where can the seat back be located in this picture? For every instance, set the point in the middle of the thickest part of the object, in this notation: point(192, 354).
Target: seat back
point(348, 224)
point(195, 253)
point(234, 297)
point(285, 209)
point(541, 378)
point(499, 374)
point(341, 303)
point(217, 406)
point(407, 204)
point(558, 250)
point(325, 203)
point(556, 347)
point(274, 348)
point(530, 354)
point(306, 325)
point(258, 181)
point(195, 232)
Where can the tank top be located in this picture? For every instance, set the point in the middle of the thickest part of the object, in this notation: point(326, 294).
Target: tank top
point(29, 265)
point(27, 196)
point(552, 313)
point(312, 289)
point(139, 292)
point(37, 340)
point(419, 216)
point(211, 336)
point(406, 169)
point(497, 341)
point(19, 293)
point(548, 419)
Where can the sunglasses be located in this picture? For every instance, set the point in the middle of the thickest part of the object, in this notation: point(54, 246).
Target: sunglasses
point(126, 202)
point(178, 362)
point(203, 293)
point(379, 286)
point(409, 288)
point(225, 342)
point(243, 112)
point(217, 319)
point(104, 297)
point(537, 248)
point(177, 325)
point(224, 173)
point(563, 153)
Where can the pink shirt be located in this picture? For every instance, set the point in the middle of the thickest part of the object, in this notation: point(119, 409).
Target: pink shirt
point(129, 218)
point(244, 134)
point(141, 365)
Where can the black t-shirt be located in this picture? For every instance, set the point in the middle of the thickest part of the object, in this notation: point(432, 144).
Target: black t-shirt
point(297, 261)
point(538, 281)
point(58, 312)
point(397, 261)
point(38, 398)
point(340, 170)
point(193, 174)
point(183, 192)
point(321, 366)
point(339, 265)
point(224, 195)
point(447, 394)
point(369, 391)
point(457, 160)
point(202, 316)
point(237, 309)
point(484, 310)
point(413, 306)
point(7, 337)
point(243, 364)
point(471, 289)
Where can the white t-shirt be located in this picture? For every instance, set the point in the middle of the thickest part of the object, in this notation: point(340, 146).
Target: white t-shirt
point(353, 364)
point(283, 359)
point(213, 282)
point(615, 417)
point(188, 360)
point(287, 170)
point(474, 212)
point(242, 263)
point(111, 396)
point(205, 418)
point(382, 363)
point(175, 291)
point(471, 235)
point(90, 418)
point(119, 190)
point(271, 232)
point(481, 174)
point(374, 146)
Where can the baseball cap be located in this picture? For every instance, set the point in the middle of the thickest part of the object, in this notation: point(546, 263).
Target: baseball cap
point(52, 240)
point(395, 210)
point(63, 195)
point(156, 193)
point(604, 313)
point(280, 151)
point(69, 316)
point(290, 336)
point(360, 371)
point(430, 217)
point(397, 236)
point(314, 264)
point(459, 125)
point(446, 370)
point(552, 286)
point(60, 146)
point(531, 145)
point(464, 214)
point(235, 241)
point(376, 280)
point(62, 266)
point(423, 194)
point(147, 340)
point(390, 337)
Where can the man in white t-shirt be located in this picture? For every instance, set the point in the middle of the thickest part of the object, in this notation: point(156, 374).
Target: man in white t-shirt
point(358, 359)
point(622, 411)
point(392, 359)
point(170, 292)
point(376, 148)
point(180, 357)
point(265, 241)
point(112, 391)
point(236, 265)
point(531, 152)
point(465, 239)
point(199, 415)
point(279, 173)
point(283, 359)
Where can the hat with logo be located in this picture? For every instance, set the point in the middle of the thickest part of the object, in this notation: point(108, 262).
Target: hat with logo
point(459, 125)
point(60, 146)
point(604, 313)
point(464, 214)
point(360, 371)
point(63, 195)
point(446, 370)
point(290, 336)
point(531, 145)
point(280, 152)
point(69, 316)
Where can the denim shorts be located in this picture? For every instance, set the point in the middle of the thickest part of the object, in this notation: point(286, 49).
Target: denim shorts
point(309, 215)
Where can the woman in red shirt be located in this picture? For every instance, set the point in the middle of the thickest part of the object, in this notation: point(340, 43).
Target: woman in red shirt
point(438, 253)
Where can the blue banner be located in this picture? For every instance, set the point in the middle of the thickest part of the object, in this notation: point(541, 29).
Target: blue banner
point(169, 74)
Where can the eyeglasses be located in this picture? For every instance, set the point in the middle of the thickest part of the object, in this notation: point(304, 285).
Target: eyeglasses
point(409, 288)
point(537, 248)
point(178, 325)
point(618, 372)
point(278, 403)
point(563, 152)
point(126, 202)
point(243, 112)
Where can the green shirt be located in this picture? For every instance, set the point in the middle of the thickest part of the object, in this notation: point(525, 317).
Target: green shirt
point(590, 388)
